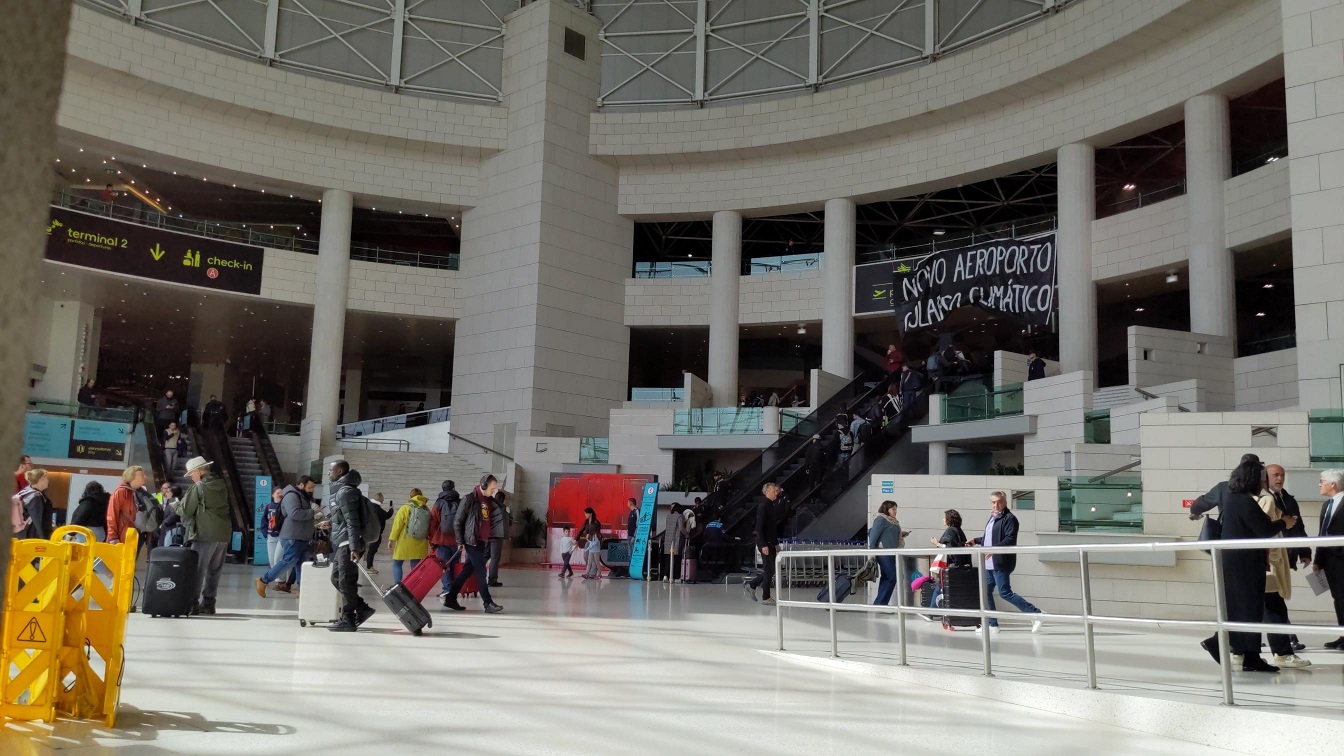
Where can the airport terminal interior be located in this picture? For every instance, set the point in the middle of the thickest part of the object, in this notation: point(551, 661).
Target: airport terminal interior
point(559, 376)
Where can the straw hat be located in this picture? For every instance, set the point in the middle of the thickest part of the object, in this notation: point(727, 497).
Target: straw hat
point(196, 463)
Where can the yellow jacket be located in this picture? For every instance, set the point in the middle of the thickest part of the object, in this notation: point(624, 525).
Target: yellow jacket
point(1280, 577)
point(407, 547)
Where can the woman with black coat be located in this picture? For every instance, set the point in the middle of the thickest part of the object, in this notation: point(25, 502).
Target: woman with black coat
point(91, 511)
point(1244, 569)
point(952, 538)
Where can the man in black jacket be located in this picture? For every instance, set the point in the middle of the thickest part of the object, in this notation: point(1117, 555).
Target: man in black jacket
point(472, 527)
point(1001, 530)
point(347, 537)
point(769, 514)
point(1330, 559)
point(1214, 498)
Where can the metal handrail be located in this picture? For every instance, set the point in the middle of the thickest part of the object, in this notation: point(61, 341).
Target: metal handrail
point(401, 444)
point(1220, 624)
point(1116, 471)
point(479, 446)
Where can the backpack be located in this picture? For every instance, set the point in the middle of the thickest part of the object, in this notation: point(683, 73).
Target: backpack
point(275, 518)
point(373, 526)
point(417, 524)
point(446, 510)
point(147, 514)
point(20, 522)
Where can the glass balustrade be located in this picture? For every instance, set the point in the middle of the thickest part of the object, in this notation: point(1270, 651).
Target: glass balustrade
point(1113, 504)
point(657, 394)
point(719, 421)
point(594, 451)
point(1326, 433)
point(1097, 427)
point(973, 401)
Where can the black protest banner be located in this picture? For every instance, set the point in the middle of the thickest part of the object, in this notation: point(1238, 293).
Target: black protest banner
point(115, 246)
point(1009, 277)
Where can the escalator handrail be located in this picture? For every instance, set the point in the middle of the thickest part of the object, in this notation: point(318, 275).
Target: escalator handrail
point(735, 508)
point(261, 442)
point(158, 463)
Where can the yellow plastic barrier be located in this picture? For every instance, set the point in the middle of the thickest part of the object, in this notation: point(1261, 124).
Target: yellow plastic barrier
point(34, 628)
point(86, 595)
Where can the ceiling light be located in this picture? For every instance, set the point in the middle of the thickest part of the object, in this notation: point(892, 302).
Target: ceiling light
point(1130, 187)
point(1273, 159)
point(1268, 286)
point(939, 232)
point(1138, 309)
point(1259, 314)
point(58, 160)
point(1172, 278)
point(81, 149)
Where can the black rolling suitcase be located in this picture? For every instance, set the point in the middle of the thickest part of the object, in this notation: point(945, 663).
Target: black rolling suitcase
point(168, 588)
point(960, 590)
point(413, 615)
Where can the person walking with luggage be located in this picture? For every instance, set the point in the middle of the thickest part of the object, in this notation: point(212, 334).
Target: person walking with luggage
point(769, 514)
point(1001, 530)
point(347, 512)
point(499, 530)
point(295, 535)
point(472, 528)
point(566, 552)
point(441, 535)
point(205, 512)
point(886, 533)
point(952, 538)
point(409, 538)
point(121, 508)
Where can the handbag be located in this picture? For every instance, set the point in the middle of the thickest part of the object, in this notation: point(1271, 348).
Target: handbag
point(1210, 530)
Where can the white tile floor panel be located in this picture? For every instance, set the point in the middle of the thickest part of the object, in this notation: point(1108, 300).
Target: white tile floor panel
point(580, 668)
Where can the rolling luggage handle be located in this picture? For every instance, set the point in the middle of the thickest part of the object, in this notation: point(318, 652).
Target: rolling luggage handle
point(384, 594)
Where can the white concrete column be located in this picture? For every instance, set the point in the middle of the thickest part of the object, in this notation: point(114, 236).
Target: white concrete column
point(1077, 294)
point(1313, 74)
point(724, 285)
point(324, 360)
point(69, 351)
point(353, 403)
point(938, 458)
point(837, 275)
point(1208, 163)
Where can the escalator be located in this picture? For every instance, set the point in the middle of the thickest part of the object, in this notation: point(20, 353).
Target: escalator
point(264, 452)
point(836, 503)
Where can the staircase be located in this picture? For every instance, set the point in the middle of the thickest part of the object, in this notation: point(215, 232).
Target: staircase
point(246, 464)
point(395, 473)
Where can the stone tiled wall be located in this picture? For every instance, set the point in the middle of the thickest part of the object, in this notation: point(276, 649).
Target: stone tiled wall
point(374, 287)
point(1266, 381)
point(1257, 205)
point(196, 109)
point(1149, 238)
point(769, 298)
point(1010, 102)
point(1158, 356)
point(1059, 404)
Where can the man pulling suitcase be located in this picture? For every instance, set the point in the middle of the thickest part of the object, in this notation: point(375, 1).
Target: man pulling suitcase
point(348, 535)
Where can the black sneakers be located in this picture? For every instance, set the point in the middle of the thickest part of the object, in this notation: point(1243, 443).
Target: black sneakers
point(343, 625)
point(451, 603)
point(493, 609)
point(363, 614)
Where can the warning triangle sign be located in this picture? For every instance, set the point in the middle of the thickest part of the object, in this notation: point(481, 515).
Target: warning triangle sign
point(32, 632)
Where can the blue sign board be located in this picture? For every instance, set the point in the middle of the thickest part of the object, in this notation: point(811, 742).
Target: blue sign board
point(261, 497)
point(46, 436)
point(100, 430)
point(642, 531)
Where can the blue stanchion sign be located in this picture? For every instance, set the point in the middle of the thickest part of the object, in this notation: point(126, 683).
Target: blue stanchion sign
point(260, 498)
point(642, 531)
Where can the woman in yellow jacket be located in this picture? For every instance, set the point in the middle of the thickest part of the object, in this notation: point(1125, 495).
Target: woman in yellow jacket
point(410, 533)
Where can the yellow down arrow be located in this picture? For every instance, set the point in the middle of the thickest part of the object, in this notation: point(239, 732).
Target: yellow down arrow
point(158, 252)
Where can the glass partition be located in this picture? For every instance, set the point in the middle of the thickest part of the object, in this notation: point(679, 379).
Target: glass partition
point(1113, 504)
point(1097, 427)
point(1326, 428)
point(719, 421)
point(973, 401)
point(657, 394)
point(70, 409)
point(594, 451)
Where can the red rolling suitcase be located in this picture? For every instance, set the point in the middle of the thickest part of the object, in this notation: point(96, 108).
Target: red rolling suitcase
point(424, 577)
point(470, 588)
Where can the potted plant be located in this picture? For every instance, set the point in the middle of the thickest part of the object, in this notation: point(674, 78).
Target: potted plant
point(528, 545)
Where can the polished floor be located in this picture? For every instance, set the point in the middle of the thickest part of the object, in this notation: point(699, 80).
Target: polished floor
point(569, 668)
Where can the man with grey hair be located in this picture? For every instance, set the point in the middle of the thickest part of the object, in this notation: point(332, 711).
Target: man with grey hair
point(1330, 559)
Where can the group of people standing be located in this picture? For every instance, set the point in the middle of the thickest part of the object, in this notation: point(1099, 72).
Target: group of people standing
point(1254, 504)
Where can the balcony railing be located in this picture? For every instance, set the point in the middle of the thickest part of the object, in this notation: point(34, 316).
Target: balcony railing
point(1326, 433)
point(957, 239)
point(243, 234)
point(594, 451)
point(755, 266)
point(713, 421)
point(1136, 200)
point(395, 422)
point(1114, 504)
point(657, 394)
point(82, 412)
point(974, 402)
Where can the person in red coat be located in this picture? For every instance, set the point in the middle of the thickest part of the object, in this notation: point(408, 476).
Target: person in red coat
point(121, 507)
point(895, 358)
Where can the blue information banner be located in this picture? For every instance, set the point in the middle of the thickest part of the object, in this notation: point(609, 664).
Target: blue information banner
point(642, 531)
point(46, 436)
point(101, 431)
point(261, 497)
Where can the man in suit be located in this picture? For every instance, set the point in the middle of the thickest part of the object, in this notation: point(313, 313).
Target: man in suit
point(769, 515)
point(1330, 559)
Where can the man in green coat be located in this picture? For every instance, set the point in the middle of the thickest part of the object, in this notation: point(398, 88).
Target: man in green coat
point(205, 511)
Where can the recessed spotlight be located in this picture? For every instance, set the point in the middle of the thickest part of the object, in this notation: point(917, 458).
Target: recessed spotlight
point(1268, 286)
point(1138, 309)
point(1130, 187)
point(1259, 314)
point(1273, 159)
point(939, 232)
point(1172, 278)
